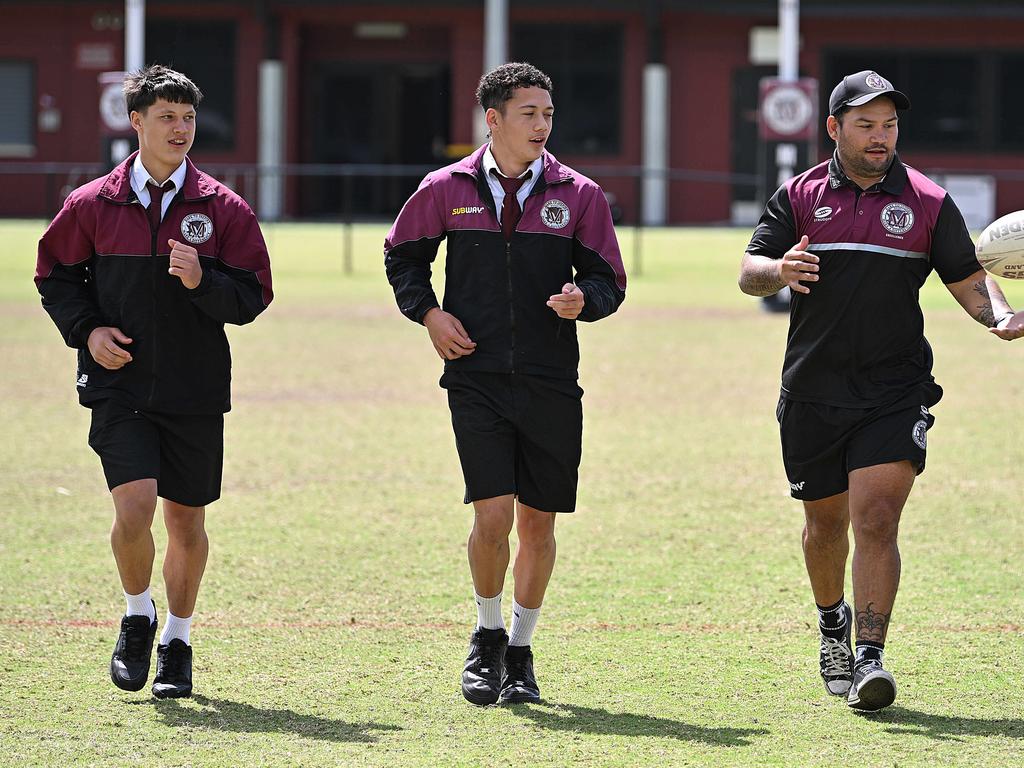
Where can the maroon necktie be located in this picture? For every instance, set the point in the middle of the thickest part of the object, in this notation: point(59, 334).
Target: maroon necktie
point(156, 198)
point(510, 210)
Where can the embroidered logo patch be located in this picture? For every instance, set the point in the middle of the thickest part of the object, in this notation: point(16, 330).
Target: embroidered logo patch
point(468, 209)
point(920, 434)
point(876, 81)
point(897, 218)
point(555, 214)
point(823, 213)
point(197, 228)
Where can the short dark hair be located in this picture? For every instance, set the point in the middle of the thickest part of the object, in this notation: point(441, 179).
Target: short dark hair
point(143, 88)
point(497, 86)
point(840, 113)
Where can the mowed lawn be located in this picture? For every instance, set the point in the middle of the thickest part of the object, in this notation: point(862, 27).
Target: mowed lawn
point(333, 620)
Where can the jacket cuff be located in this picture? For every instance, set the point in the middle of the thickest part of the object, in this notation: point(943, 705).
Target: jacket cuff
point(205, 284)
point(79, 338)
point(422, 311)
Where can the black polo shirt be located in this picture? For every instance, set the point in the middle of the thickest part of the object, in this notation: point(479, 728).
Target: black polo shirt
point(857, 339)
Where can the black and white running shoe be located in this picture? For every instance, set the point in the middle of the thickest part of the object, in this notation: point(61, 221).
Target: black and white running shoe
point(873, 687)
point(129, 663)
point(836, 659)
point(519, 684)
point(485, 665)
point(173, 670)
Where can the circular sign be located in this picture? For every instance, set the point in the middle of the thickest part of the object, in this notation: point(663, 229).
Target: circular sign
point(113, 111)
point(787, 110)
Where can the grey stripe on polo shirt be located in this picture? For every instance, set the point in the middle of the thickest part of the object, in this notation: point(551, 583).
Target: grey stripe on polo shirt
point(867, 247)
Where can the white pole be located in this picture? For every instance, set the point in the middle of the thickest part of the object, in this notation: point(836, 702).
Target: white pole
point(134, 35)
point(655, 144)
point(271, 139)
point(495, 34)
point(789, 40)
point(495, 51)
point(789, 72)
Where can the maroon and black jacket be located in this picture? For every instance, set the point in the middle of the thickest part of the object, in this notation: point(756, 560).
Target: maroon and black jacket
point(100, 264)
point(498, 290)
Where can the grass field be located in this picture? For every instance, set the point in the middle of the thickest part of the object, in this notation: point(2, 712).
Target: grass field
point(333, 620)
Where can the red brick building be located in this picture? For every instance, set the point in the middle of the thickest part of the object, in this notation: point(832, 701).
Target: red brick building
point(393, 82)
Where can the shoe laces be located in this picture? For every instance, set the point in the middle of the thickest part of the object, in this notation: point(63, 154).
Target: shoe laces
point(867, 666)
point(136, 638)
point(174, 661)
point(488, 658)
point(835, 656)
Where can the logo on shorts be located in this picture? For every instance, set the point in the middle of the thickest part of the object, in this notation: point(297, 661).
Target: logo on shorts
point(197, 228)
point(924, 411)
point(83, 380)
point(897, 218)
point(555, 214)
point(920, 434)
point(797, 486)
point(822, 213)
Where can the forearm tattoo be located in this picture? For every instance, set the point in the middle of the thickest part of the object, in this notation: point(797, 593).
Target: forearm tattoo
point(871, 625)
point(760, 279)
point(983, 313)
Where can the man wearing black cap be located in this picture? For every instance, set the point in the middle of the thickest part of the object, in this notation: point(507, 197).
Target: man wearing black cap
point(854, 238)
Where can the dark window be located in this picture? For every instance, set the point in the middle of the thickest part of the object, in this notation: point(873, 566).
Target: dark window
point(958, 105)
point(584, 63)
point(1009, 108)
point(943, 92)
point(17, 109)
point(205, 51)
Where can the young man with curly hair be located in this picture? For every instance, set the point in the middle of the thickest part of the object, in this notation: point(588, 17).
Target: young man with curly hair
point(531, 251)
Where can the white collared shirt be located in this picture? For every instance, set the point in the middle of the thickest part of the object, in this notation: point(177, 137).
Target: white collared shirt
point(532, 174)
point(140, 177)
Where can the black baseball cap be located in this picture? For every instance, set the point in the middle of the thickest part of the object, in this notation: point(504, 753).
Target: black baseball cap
point(854, 90)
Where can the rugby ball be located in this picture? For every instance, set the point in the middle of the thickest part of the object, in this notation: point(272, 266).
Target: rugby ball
point(1000, 248)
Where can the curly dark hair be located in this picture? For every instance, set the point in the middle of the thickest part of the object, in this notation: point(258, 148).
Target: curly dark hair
point(496, 86)
point(143, 88)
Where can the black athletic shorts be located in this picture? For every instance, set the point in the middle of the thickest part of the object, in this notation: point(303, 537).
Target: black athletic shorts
point(822, 444)
point(184, 454)
point(517, 434)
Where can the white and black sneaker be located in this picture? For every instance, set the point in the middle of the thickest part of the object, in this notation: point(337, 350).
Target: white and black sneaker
point(873, 687)
point(836, 659)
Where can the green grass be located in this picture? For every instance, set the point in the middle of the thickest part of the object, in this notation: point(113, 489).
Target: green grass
point(332, 623)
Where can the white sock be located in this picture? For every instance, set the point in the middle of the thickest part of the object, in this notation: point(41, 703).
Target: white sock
point(176, 628)
point(488, 612)
point(524, 621)
point(140, 605)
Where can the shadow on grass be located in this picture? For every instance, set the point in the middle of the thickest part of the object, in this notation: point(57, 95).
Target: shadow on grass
point(942, 727)
point(576, 719)
point(225, 715)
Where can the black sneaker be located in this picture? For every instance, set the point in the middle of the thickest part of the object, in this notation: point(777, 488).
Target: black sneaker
point(173, 670)
point(836, 659)
point(481, 677)
point(129, 664)
point(518, 684)
point(873, 688)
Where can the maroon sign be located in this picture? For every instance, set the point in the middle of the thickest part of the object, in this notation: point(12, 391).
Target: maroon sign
point(788, 111)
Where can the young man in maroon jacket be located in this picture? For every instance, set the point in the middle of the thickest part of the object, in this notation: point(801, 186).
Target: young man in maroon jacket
point(140, 271)
point(854, 238)
point(531, 250)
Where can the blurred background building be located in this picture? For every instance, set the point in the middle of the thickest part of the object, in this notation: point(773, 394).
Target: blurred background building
point(341, 90)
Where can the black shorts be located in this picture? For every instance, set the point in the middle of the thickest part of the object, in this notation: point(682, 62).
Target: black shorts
point(822, 444)
point(517, 434)
point(184, 454)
